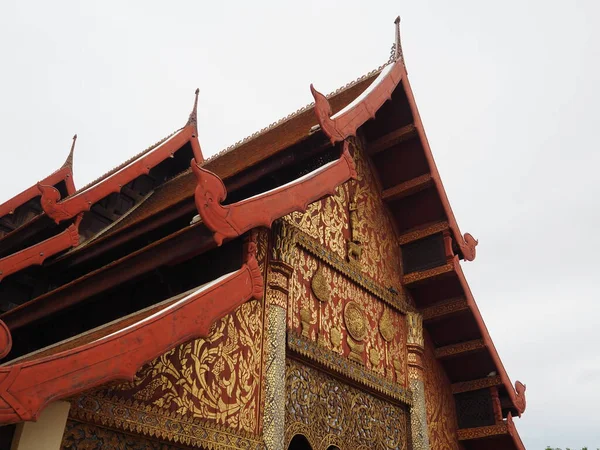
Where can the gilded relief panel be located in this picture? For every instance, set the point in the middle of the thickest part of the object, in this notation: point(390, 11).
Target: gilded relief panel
point(91, 437)
point(328, 412)
point(440, 409)
point(356, 213)
point(342, 317)
point(218, 379)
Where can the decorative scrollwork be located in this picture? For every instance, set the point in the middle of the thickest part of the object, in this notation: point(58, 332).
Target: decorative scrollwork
point(329, 412)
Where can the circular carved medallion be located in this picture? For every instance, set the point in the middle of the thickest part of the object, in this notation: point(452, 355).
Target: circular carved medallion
point(355, 321)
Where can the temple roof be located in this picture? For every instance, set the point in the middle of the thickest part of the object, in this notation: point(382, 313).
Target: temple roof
point(379, 107)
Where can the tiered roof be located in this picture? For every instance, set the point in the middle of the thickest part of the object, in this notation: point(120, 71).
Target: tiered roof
point(381, 108)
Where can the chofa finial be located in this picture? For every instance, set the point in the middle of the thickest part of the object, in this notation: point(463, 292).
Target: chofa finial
point(193, 120)
point(69, 160)
point(396, 53)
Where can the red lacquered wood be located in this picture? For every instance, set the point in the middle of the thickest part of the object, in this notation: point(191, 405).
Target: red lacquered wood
point(261, 210)
point(83, 200)
point(37, 254)
point(345, 123)
point(27, 387)
point(516, 393)
point(65, 173)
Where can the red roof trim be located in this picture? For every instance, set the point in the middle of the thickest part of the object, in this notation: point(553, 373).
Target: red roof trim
point(465, 243)
point(37, 254)
point(27, 387)
point(65, 173)
point(516, 394)
point(84, 199)
point(261, 210)
point(345, 123)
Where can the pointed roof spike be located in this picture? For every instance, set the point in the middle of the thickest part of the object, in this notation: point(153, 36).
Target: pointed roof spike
point(193, 120)
point(396, 53)
point(69, 161)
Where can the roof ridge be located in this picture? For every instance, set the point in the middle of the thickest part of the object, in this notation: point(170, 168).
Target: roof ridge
point(292, 115)
point(125, 163)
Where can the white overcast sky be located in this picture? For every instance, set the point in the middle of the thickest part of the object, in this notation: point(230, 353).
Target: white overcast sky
point(509, 96)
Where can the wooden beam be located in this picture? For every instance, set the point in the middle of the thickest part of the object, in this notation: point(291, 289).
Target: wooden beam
point(445, 309)
point(422, 232)
point(475, 385)
point(416, 277)
point(466, 434)
point(395, 137)
point(462, 348)
point(178, 246)
point(407, 188)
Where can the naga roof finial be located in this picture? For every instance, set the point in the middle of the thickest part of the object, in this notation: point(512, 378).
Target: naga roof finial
point(69, 161)
point(396, 53)
point(193, 120)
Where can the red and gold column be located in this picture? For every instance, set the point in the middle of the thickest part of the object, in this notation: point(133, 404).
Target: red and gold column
point(418, 415)
point(279, 274)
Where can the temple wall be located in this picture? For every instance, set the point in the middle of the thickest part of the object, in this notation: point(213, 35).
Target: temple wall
point(207, 392)
point(440, 408)
point(331, 222)
point(86, 436)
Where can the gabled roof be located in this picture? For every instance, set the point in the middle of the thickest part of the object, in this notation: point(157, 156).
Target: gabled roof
point(63, 174)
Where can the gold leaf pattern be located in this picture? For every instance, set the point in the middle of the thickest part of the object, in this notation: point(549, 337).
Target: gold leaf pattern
point(328, 412)
point(326, 317)
point(218, 378)
point(328, 222)
point(441, 413)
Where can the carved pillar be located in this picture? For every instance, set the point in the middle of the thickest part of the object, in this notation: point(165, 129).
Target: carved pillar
point(279, 274)
point(418, 416)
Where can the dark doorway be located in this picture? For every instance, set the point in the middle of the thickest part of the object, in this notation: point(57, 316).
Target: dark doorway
point(299, 442)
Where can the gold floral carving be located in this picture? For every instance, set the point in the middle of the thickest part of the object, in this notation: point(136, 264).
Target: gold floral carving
point(423, 232)
point(425, 274)
point(415, 329)
point(329, 224)
point(273, 425)
point(356, 324)
point(218, 379)
point(92, 437)
point(462, 347)
point(306, 320)
point(356, 350)
point(328, 412)
point(326, 317)
point(354, 245)
point(440, 407)
point(336, 339)
point(386, 326)
point(397, 301)
point(319, 285)
point(133, 416)
point(374, 357)
point(348, 369)
point(445, 308)
point(475, 385)
point(284, 242)
point(482, 432)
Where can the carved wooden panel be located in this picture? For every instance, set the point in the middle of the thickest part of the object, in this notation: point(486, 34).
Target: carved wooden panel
point(218, 379)
point(352, 323)
point(91, 437)
point(440, 409)
point(329, 222)
point(331, 413)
